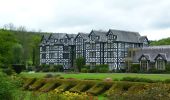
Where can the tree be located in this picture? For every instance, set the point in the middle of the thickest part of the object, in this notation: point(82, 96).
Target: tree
point(17, 51)
point(7, 40)
point(80, 62)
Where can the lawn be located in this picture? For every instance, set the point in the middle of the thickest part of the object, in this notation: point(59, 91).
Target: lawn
point(100, 75)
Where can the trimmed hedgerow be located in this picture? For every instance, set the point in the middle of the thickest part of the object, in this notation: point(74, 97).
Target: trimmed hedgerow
point(100, 88)
point(137, 79)
point(28, 82)
point(83, 86)
point(37, 84)
point(49, 86)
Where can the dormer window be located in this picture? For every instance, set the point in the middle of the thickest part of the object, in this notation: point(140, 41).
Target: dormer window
point(51, 40)
point(112, 37)
point(92, 37)
point(61, 40)
point(97, 37)
point(56, 40)
point(65, 40)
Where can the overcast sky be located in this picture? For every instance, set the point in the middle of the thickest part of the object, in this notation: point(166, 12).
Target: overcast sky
point(148, 17)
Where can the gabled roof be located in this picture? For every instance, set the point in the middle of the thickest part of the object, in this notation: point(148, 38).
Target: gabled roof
point(126, 36)
point(101, 34)
point(147, 56)
point(57, 35)
point(45, 37)
point(153, 52)
point(84, 35)
point(162, 55)
point(71, 35)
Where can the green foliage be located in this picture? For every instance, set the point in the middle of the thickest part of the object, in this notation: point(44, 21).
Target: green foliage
point(154, 70)
point(80, 62)
point(165, 41)
point(167, 67)
point(37, 84)
point(102, 68)
point(17, 51)
point(18, 68)
point(99, 88)
point(137, 79)
point(29, 82)
point(8, 71)
point(7, 40)
point(82, 86)
point(142, 92)
point(7, 88)
point(135, 68)
point(49, 86)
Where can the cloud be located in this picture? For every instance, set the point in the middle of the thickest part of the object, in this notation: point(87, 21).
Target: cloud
point(73, 16)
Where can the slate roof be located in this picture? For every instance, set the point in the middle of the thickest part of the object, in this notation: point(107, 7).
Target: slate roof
point(122, 36)
point(84, 35)
point(153, 52)
point(57, 35)
point(72, 35)
point(126, 36)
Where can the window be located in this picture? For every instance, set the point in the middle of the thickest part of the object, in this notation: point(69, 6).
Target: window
point(160, 64)
point(79, 40)
point(109, 45)
point(110, 54)
point(65, 55)
point(43, 56)
point(51, 55)
point(78, 47)
point(92, 37)
point(92, 54)
point(144, 65)
point(56, 55)
point(93, 46)
point(65, 48)
point(79, 55)
point(56, 40)
point(92, 65)
point(44, 48)
point(65, 40)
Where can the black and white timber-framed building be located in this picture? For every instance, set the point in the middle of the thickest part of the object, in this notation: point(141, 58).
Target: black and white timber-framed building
point(97, 47)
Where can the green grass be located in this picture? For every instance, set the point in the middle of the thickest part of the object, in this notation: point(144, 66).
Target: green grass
point(100, 75)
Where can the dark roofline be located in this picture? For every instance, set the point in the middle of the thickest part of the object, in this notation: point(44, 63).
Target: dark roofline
point(144, 55)
point(161, 56)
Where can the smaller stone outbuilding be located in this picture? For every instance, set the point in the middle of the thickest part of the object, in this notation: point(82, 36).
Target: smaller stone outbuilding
point(153, 57)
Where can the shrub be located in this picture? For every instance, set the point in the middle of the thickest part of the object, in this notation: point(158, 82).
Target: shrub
point(48, 75)
point(152, 92)
point(137, 79)
point(37, 84)
point(59, 68)
point(84, 70)
point(103, 68)
point(18, 68)
point(82, 86)
point(28, 82)
point(8, 71)
point(49, 86)
point(79, 63)
point(45, 68)
point(154, 70)
point(135, 68)
point(99, 88)
point(38, 68)
point(7, 88)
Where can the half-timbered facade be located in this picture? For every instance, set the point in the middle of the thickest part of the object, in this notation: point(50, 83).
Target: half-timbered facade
point(97, 47)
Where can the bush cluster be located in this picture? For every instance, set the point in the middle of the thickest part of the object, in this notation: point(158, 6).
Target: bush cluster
point(49, 68)
point(137, 79)
point(102, 68)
